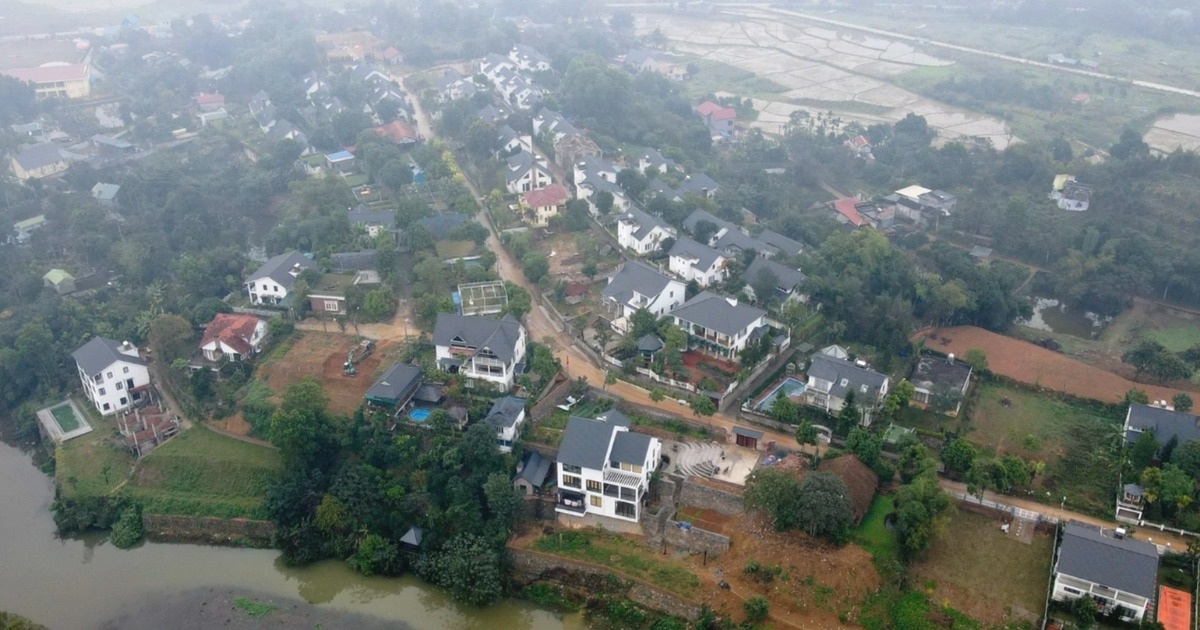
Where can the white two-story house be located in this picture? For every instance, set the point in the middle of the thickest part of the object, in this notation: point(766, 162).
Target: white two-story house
point(692, 261)
point(1118, 572)
point(506, 415)
point(481, 348)
point(641, 232)
point(526, 172)
point(719, 325)
point(273, 281)
point(604, 469)
point(831, 379)
point(114, 376)
point(636, 286)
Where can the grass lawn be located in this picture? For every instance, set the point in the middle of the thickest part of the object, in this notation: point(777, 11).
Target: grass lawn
point(201, 473)
point(626, 556)
point(1073, 441)
point(91, 465)
point(874, 536)
point(65, 416)
point(1177, 338)
point(989, 575)
point(454, 249)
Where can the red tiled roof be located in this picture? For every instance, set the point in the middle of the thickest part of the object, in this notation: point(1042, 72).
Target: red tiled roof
point(50, 73)
point(846, 207)
point(397, 131)
point(576, 288)
point(714, 111)
point(552, 195)
point(233, 330)
point(391, 53)
point(860, 142)
point(204, 98)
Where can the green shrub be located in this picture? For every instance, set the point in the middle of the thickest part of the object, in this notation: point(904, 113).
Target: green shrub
point(127, 531)
point(756, 608)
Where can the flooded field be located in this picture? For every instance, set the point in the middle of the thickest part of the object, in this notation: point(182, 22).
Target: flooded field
point(1176, 131)
point(844, 71)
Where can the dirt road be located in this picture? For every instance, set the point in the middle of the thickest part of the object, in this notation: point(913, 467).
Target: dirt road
point(1149, 534)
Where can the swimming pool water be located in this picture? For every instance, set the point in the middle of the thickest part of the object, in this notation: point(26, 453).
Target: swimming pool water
point(418, 415)
point(790, 387)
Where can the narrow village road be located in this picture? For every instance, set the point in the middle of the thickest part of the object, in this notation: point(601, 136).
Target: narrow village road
point(1149, 534)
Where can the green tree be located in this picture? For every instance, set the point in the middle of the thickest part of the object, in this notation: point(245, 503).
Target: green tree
point(823, 504)
point(1177, 487)
point(848, 416)
point(300, 428)
point(977, 359)
point(1182, 402)
point(1143, 450)
point(958, 455)
point(865, 445)
point(642, 323)
point(898, 398)
point(775, 492)
point(375, 555)
point(171, 338)
point(806, 433)
point(1187, 457)
point(469, 568)
point(920, 514)
point(915, 461)
point(1137, 396)
point(1084, 608)
point(702, 405)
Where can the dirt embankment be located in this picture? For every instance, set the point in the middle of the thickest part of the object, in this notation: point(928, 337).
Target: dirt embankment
point(1034, 365)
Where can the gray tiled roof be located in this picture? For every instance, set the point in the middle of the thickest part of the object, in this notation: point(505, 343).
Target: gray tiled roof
point(715, 312)
point(99, 353)
point(498, 335)
point(836, 371)
point(638, 277)
point(935, 372)
point(1165, 423)
point(645, 222)
point(738, 241)
point(279, 268)
point(534, 469)
point(650, 343)
point(698, 215)
point(585, 443)
point(698, 184)
point(365, 215)
point(704, 255)
point(396, 385)
point(39, 155)
point(440, 224)
point(789, 279)
point(505, 411)
point(630, 448)
point(520, 164)
point(1128, 565)
point(781, 243)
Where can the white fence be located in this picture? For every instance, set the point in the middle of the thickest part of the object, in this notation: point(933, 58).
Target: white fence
point(1017, 512)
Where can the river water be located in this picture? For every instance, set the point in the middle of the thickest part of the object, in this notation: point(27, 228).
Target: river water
point(84, 582)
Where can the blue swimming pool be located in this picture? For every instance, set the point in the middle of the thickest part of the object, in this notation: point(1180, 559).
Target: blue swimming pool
point(418, 414)
point(790, 387)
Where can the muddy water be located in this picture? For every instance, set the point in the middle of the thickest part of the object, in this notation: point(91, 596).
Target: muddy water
point(85, 582)
point(1051, 315)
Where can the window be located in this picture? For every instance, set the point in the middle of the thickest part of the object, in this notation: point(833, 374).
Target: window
point(633, 468)
point(593, 485)
point(109, 375)
point(571, 469)
point(332, 306)
point(125, 370)
point(597, 502)
point(124, 401)
point(571, 481)
point(102, 392)
point(264, 288)
point(1073, 591)
point(120, 385)
point(628, 510)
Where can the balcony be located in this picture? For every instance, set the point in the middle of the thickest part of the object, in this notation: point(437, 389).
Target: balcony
point(571, 502)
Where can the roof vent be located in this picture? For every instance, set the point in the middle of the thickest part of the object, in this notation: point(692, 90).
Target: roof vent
point(860, 363)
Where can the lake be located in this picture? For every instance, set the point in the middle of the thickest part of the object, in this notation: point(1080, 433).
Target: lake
point(85, 582)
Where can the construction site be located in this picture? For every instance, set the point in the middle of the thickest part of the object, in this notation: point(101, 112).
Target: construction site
point(341, 363)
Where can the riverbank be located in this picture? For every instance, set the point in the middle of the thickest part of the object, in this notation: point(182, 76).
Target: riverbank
point(237, 609)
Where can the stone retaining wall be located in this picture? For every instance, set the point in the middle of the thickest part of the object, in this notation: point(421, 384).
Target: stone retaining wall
point(695, 540)
point(696, 495)
point(208, 530)
point(532, 566)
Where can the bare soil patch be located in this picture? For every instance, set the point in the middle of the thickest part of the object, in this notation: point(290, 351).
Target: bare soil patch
point(321, 355)
point(1034, 365)
point(818, 582)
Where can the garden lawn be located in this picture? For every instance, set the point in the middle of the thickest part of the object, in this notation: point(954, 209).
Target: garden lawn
point(202, 473)
point(1075, 441)
point(1177, 338)
point(874, 536)
point(91, 465)
point(65, 416)
point(627, 556)
point(987, 574)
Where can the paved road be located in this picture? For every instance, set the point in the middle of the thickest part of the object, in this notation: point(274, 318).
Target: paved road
point(1177, 543)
